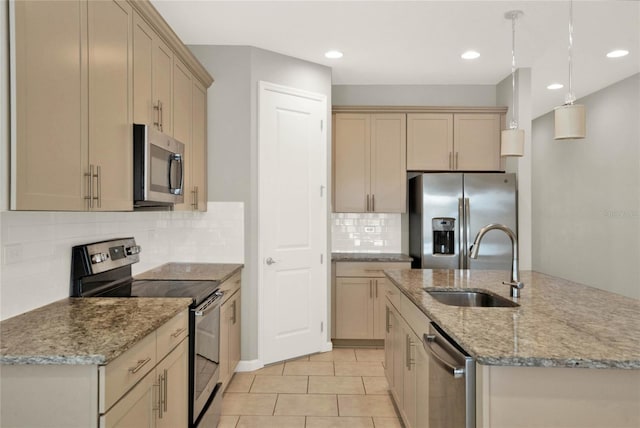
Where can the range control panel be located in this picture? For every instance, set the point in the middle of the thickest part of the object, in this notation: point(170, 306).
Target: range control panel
point(103, 256)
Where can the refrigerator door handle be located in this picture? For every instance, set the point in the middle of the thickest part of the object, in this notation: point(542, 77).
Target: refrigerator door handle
point(461, 241)
point(467, 219)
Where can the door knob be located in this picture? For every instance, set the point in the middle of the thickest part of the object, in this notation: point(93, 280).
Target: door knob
point(270, 261)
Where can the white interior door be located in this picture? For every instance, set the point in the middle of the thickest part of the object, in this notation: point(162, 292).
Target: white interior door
point(293, 222)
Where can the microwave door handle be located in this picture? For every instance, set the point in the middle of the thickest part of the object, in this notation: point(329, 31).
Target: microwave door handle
point(177, 157)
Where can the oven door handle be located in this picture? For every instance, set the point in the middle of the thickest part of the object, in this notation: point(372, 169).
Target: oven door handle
point(210, 305)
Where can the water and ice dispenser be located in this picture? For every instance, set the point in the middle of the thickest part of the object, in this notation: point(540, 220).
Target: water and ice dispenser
point(443, 235)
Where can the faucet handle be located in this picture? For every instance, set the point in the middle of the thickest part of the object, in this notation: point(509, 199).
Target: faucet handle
point(517, 285)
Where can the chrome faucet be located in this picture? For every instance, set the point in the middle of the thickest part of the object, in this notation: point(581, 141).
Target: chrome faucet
point(515, 283)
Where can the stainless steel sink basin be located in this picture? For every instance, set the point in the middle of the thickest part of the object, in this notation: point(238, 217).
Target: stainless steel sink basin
point(471, 298)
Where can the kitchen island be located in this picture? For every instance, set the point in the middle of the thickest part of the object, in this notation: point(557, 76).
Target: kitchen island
point(568, 356)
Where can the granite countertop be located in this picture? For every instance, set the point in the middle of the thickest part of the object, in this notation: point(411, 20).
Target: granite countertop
point(559, 323)
point(370, 257)
point(191, 272)
point(83, 331)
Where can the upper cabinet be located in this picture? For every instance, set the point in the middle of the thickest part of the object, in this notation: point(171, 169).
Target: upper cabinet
point(73, 106)
point(369, 163)
point(85, 71)
point(453, 142)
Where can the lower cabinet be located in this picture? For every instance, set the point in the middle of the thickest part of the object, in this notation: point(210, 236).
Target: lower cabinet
point(406, 365)
point(230, 329)
point(359, 299)
point(159, 399)
point(145, 387)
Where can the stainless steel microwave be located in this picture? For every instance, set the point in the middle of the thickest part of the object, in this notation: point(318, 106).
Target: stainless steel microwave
point(158, 168)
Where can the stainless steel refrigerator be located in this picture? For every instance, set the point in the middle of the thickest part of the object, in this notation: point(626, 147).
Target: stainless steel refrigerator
point(446, 211)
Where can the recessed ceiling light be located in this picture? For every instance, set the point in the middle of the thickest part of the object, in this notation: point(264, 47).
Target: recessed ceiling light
point(554, 86)
point(333, 54)
point(470, 55)
point(618, 53)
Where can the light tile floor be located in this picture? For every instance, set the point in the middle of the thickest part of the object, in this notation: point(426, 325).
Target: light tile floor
point(344, 388)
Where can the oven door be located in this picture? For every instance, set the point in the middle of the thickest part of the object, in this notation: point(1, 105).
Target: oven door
point(206, 355)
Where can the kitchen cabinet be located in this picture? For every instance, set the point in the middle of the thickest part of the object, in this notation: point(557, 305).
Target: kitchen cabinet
point(182, 104)
point(198, 163)
point(230, 329)
point(453, 142)
point(369, 162)
point(146, 386)
point(85, 71)
point(73, 109)
point(359, 299)
point(406, 362)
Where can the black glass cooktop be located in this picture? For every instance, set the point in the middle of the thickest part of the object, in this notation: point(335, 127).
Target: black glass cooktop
point(197, 290)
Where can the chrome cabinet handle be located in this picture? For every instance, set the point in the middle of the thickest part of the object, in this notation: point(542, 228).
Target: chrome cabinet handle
point(166, 389)
point(178, 332)
point(140, 364)
point(99, 186)
point(386, 312)
point(373, 203)
point(367, 202)
point(370, 289)
point(456, 165)
point(161, 392)
point(156, 107)
point(234, 311)
point(376, 287)
point(194, 192)
point(161, 116)
point(270, 261)
point(90, 183)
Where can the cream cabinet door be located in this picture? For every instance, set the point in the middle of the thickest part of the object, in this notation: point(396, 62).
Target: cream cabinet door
point(182, 104)
point(234, 334)
point(430, 142)
point(410, 379)
point(354, 308)
point(379, 308)
point(388, 163)
point(110, 26)
point(477, 142)
point(162, 86)
point(397, 344)
point(351, 162)
point(421, 373)
point(173, 378)
point(136, 408)
point(199, 147)
point(143, 35)
point(50, 151)
point(388, 344)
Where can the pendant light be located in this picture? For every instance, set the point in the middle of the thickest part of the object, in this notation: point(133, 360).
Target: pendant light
point(570, 120)
point(512, 139)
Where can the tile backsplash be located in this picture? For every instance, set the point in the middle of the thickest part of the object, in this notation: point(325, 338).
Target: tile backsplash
point(36, 246)
point(366, 233)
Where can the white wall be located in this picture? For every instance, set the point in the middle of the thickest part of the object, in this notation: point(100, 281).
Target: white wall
point(414, 95)
point(586, 194)
point(522, 166)
point(36, 246)
point(233, 137)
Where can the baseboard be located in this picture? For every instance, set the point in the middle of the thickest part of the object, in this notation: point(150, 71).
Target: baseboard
point(249, 365)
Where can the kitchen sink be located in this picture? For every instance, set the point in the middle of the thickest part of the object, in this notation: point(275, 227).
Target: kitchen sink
point(471, 298)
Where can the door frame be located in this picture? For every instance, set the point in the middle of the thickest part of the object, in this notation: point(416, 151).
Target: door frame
point(324, 342)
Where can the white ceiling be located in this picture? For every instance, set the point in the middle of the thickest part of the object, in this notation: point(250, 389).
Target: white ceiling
point(420, 42)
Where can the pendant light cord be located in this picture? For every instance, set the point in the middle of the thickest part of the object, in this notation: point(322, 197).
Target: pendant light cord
point(514, 119)
point(570, 98)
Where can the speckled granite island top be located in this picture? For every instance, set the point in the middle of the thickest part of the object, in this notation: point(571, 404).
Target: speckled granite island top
point(191, 272)
point(83, 331)
point(370, 257)
point(558, 324)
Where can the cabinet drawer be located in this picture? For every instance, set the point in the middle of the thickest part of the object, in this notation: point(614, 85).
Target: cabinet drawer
point(230, 286)
point(124, 372)
point(135, 409)
point(417, 320)
point(368, 269)
point(172, 333)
